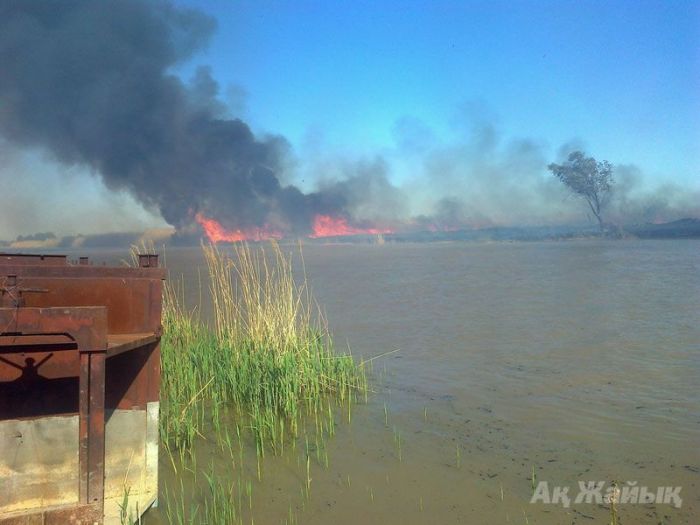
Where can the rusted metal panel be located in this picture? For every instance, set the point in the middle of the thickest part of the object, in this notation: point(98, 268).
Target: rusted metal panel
point(148, 260)
point(127, 300)
point(80, 271)
point(47, 361)
point(34, 384)
point(72, 515)
point(120, 343)
point(86, 325)
point(84, 429)
point(96, 428)
point(77, 515)
point(129, 378)
point(153, 365)
point(29, 376)
point(33, 259)
point(88, 334)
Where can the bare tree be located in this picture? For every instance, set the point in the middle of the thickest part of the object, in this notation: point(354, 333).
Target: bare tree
point(587, 178)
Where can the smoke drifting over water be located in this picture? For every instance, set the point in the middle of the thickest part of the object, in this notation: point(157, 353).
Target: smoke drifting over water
point(92, 84)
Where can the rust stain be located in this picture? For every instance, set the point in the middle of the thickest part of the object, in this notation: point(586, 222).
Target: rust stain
point(56, 321)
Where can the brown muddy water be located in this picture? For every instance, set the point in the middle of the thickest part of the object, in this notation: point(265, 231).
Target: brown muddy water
point(577, 360)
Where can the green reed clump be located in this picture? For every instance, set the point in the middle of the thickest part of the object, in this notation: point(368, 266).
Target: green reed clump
point(267, 355)
point(218, 505)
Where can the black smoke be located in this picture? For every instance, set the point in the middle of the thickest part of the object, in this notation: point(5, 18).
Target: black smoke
point(92, 83)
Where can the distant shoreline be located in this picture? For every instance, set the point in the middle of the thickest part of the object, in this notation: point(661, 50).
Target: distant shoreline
point(688, 228)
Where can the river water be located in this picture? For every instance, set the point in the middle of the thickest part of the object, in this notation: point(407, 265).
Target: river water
point(578, 361)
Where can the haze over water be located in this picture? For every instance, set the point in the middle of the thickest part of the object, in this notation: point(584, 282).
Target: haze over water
point(578, 359)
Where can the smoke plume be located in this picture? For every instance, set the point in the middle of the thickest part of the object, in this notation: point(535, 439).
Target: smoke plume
point(91, 82)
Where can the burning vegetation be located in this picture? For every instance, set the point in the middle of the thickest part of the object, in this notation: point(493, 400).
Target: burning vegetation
point(175, 146)
point(171, 144)
point(323, 226)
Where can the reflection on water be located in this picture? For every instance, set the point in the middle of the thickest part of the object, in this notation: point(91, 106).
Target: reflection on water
point(578, 360)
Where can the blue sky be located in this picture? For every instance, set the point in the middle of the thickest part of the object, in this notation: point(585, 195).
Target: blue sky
point(621, 77)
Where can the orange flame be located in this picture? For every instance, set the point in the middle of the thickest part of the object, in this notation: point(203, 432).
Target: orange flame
point(216, 232)
point(327, 226)
point(323, 226)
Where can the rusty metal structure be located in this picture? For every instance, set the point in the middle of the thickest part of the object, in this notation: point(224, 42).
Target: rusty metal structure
point(79, 386)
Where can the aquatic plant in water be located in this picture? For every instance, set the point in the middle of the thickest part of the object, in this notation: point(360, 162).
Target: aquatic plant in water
point(265, 361)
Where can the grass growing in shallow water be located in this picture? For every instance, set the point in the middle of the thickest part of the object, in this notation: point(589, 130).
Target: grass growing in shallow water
point(261, 375)
point(267, 355)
